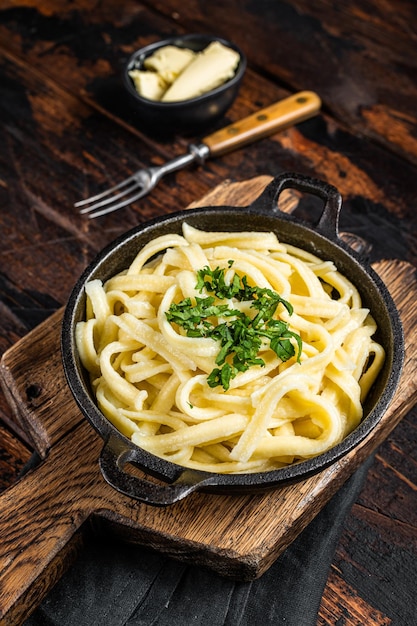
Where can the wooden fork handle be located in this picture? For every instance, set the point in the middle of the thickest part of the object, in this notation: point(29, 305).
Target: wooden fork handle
point(267, 121)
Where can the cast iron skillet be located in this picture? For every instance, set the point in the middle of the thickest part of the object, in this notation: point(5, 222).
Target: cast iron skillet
point(262, 215)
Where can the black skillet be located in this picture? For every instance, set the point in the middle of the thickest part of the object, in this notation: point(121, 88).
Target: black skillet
point(262, 215)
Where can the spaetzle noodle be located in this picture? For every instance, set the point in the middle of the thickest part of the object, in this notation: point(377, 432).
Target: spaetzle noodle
point(150, 378)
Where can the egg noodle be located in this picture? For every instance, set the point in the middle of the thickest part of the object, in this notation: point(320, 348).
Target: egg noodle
point(151, 378)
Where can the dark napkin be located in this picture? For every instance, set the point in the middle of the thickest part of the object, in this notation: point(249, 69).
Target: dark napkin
point(115, 584)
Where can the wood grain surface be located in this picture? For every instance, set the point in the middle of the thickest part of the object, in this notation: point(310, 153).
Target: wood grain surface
point(66, 131)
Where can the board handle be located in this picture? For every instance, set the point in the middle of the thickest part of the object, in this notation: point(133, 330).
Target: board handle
point(41, 535)
point(116, 456)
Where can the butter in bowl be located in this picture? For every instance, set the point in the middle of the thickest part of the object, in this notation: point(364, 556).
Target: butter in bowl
point(184, 83)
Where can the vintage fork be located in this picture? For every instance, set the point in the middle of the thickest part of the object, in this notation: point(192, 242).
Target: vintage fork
point(263, 123)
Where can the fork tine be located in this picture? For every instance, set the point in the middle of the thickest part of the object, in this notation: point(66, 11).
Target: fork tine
point(105, 193)
point(113, 198)
point(115, 207)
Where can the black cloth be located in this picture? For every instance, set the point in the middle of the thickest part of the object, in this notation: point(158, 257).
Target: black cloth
point(115, 584)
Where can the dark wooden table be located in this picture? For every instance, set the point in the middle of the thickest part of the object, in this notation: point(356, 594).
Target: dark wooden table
point(66, 132)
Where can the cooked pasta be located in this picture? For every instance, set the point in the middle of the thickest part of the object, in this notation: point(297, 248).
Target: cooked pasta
point(165, 371)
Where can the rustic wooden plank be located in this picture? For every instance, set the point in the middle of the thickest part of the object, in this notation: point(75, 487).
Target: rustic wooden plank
point(106, 153)
point(33, 595)
point(384, 518)
point(348, 52)
point(35, 385)
point(371, 565)
point(392, 489)
point(13, 456)
point(341, 604)
point(70, 137)
point(377, 542)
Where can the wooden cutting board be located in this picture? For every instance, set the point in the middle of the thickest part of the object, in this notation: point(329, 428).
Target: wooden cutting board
point(45, 516)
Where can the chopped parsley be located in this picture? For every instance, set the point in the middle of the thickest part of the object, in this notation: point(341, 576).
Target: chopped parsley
point(240, 336)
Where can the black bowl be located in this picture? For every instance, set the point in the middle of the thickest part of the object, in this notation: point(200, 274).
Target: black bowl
point(262, 215)
point(187, 115)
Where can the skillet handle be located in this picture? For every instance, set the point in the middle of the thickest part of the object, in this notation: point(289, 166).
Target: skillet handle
point(115, 456)
point(328, 223)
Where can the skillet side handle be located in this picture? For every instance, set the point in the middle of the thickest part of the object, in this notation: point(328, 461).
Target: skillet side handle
point(115, 456)
point(328, 223)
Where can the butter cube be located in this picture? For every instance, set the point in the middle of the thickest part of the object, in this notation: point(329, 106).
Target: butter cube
point(209, 69)
point(148, 84)
point(169, 62)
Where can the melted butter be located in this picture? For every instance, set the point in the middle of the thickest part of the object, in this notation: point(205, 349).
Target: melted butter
point(208, 70)
point(148, 84)
point(173, 74)
point(169, 62)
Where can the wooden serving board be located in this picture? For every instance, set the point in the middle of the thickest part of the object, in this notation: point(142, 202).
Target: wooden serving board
point(45, 516)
